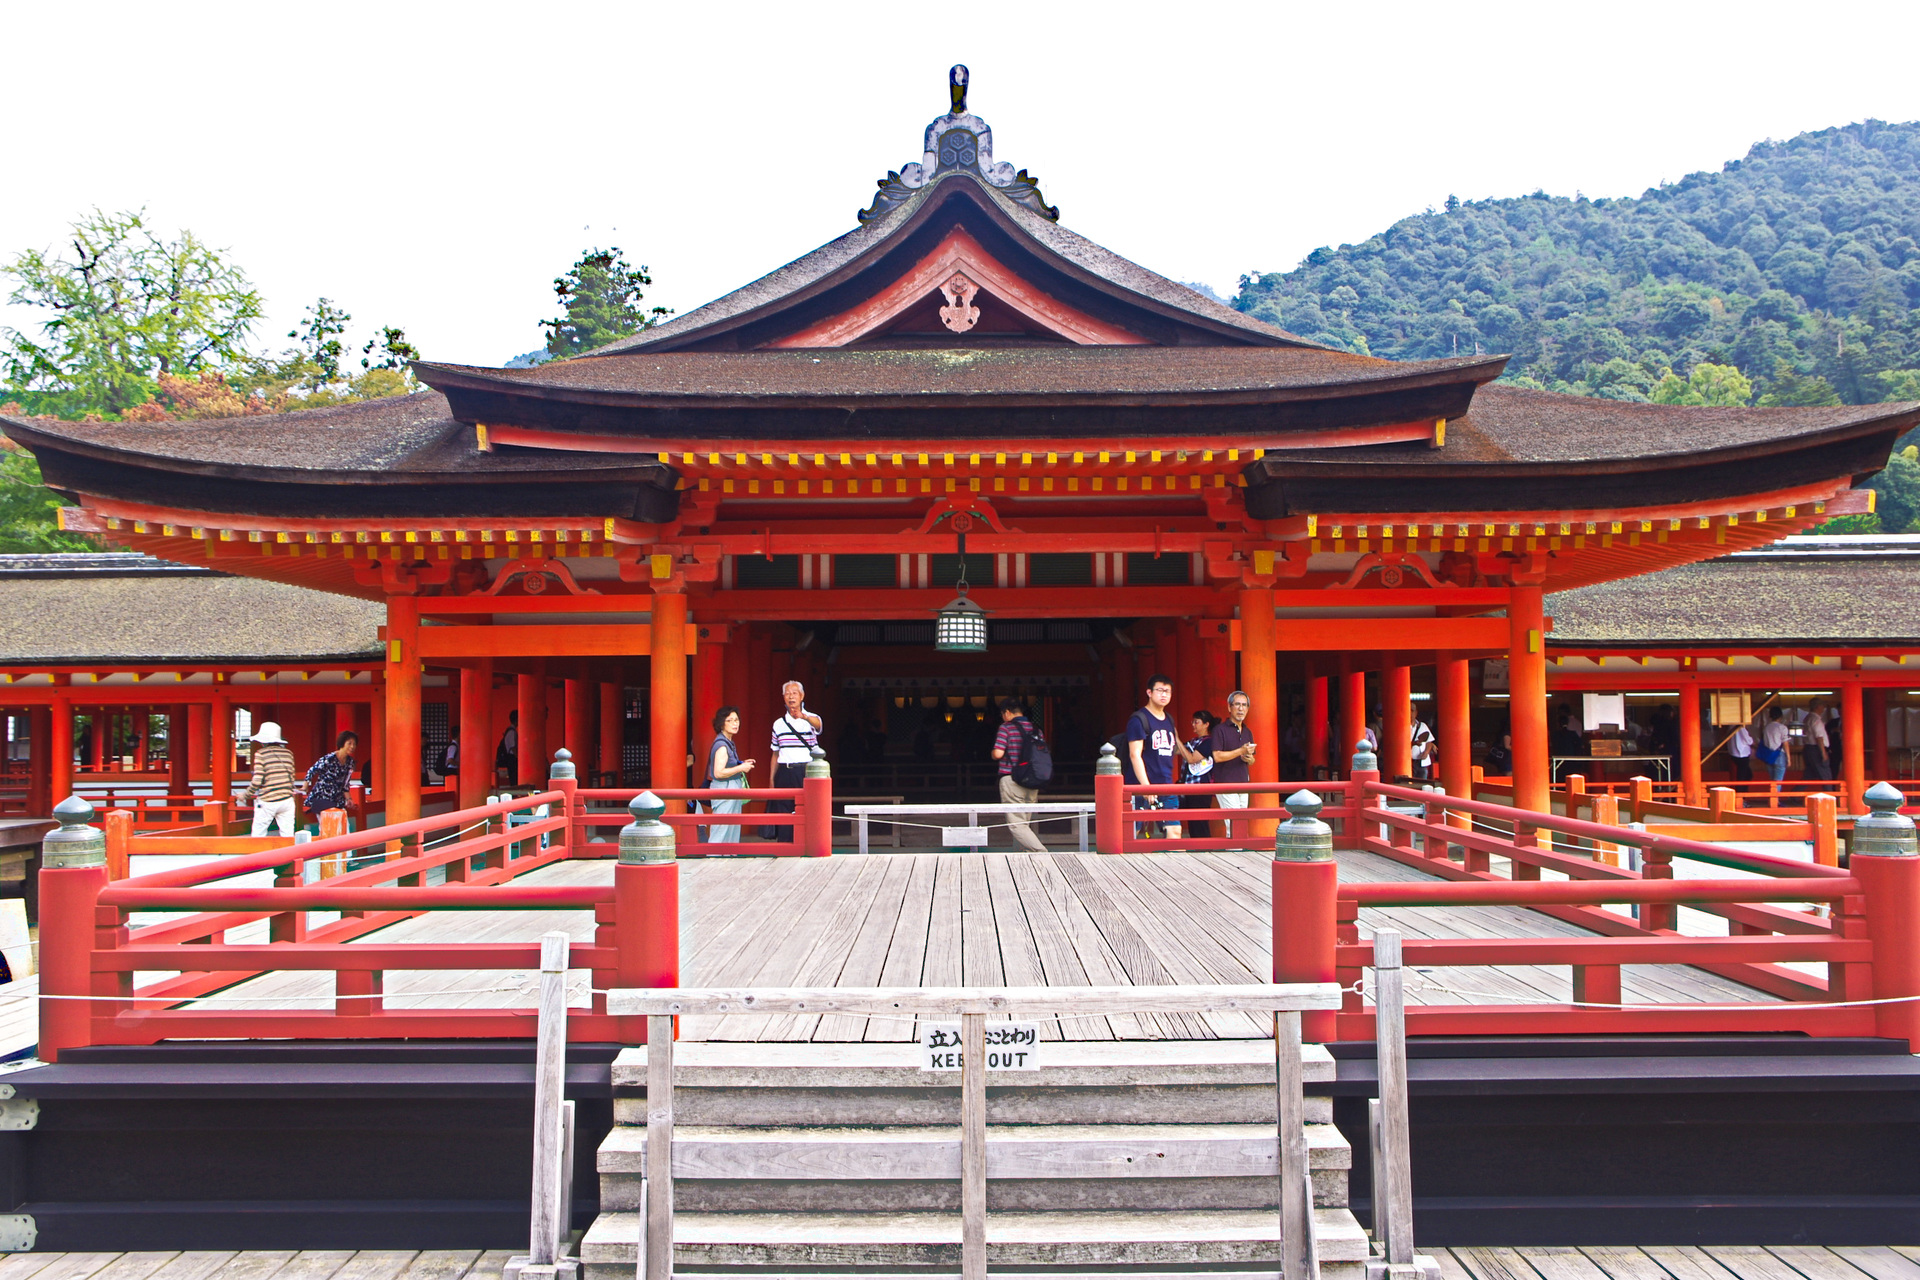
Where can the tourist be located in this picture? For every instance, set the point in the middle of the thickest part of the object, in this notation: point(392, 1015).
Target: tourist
point(1196, 767)
point(506, 757)
point(272, 786)
point(725, 769)
point(795, 734)
point(1152, 743)
point(327, 777)
point(1009, 749)
point(1816, 761)
point(1773, 746)
point(1233, 756)
point(1423, 746)
point(1740, 751)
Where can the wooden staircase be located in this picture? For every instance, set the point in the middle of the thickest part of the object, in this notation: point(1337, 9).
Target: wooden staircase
point(1135, 1158)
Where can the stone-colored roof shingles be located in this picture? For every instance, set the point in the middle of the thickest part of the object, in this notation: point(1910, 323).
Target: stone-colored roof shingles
point(1823, 602)
point(94, 618)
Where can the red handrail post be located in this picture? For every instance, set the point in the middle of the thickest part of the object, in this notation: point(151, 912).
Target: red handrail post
point(646, 906)
point(1642, 796)
point(560, 777)
point(1720, 802)
point(816, 807)
point(1657, 864)
point(118, 826)
point(1822, 810)
point(1306, 886)
point(1885, 860)
point(1362, 776)
point(1109, 802)
point(73, 871)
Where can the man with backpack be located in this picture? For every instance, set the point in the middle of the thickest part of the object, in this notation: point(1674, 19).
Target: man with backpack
point(1026, 764)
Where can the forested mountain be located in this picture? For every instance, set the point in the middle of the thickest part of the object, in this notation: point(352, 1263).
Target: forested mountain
point(1799, 265)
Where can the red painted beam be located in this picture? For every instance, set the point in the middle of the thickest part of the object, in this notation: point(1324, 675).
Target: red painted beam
point(1573, 1020)
point(323, 897)
point(352, 956)
point(1526, 893)
point(1610, 951)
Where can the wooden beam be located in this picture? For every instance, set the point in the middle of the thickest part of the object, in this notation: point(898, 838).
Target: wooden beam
point(593, 640)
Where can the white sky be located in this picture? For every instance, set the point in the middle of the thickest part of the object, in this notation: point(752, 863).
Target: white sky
point(435, 166)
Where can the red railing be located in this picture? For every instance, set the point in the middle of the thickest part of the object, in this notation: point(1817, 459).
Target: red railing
point(1120, 811)
point(94, 947)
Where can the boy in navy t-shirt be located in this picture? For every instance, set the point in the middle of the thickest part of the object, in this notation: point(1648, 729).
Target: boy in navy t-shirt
point(1152, 740)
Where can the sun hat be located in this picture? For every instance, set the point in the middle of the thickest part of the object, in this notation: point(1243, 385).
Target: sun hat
point(268, 732)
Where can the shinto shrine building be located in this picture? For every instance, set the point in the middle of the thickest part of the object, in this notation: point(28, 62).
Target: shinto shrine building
point(790, 481)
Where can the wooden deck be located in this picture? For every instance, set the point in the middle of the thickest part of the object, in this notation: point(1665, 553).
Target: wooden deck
point(1613, 1262)
point(937, 919)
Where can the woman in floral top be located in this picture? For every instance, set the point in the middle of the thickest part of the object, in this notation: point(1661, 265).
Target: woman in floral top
point(327, 778)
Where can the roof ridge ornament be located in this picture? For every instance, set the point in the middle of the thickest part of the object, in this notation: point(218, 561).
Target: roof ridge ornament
point(958, 142)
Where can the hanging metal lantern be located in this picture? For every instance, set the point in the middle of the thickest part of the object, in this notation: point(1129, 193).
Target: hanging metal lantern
point(961, 626)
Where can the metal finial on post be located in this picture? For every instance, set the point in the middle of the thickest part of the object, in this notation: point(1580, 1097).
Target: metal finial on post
point(1884, 832)
point(562, 766)
point(1109, 761)
point(1364, 758)
point(74, 843)
point(817, 766)
point(957, 88)
point(646, 839)
point(1303, 837)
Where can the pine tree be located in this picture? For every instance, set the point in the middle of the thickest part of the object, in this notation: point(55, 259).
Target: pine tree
point(602, 296)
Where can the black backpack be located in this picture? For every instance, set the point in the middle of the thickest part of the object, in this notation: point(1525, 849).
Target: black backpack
point(1034, 768)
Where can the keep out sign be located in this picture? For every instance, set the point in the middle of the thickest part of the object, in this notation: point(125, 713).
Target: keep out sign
point(1011, 1046)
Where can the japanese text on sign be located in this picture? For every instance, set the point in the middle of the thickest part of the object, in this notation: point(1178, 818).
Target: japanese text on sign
point(1011, 1046)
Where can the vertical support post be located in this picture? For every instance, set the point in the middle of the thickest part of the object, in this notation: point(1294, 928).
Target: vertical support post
point(333, 823)
point(613, 730)
point(60, 745)
point(403, 709)
point(1853, 744)
point(1527, 698)
point(1640, 794)
point(1692, 788)
point(816, 807)
point(199, 740)
point(1722, 805)
point(1456, 727)
point(40, 791)
point(1305, 887)
point(1258, 679)
point(1606, 810)
point(476, 733)
point(220, 754)
point(1821, 812)
point(668, 721)
point(658, 1262)
point(973, 1146)
point(1317, 726)
point(117, 824)
point(1657, 864)
point(646, 903)
point(1109, 802)
point(530, 737)
point(1190, 681)
point(549, 1088)
point(1885, 860)
point(1396, 721)
point(560, 777)
point(179, 778)
point(1353, 709)
point(1876, 736)
point(1393, 1184)
point(709, 690)
point(1297, 1260)
point(577, 729)
point(73, 870)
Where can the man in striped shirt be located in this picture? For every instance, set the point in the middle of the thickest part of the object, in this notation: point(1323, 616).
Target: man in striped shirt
point(273, 776)
point(795, 734)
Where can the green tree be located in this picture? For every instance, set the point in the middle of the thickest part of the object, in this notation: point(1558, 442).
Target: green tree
point(28, 522)
point(1707, 384)
point(319, 346)
point(126, 306)
point(601, 295)
point(393, 349)
point(1897, 492)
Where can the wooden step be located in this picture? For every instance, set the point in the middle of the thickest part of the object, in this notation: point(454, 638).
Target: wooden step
point(1013, 1151)
point(932, 1104)
point(621, 1191)
point(1070, 1064)
point(882, 1239)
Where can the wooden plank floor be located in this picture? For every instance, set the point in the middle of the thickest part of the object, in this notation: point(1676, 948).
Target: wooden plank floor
point(938, 919)
point(1610, 1262)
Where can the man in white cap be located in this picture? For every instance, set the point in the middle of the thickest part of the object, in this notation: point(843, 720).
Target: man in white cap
point(273, 776)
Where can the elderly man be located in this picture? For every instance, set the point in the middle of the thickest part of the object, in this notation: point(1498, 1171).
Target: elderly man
point(795, 734)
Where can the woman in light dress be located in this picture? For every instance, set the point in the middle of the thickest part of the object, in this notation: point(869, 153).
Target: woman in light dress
point(725, 769)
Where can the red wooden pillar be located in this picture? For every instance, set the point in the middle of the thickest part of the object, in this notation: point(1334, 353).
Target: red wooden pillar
point(1216, 660)
point(1258, 678)
point(199, 741)
point(1876, 733)
point(1353, 718)
point(1692, 789)
point(532, 736)
point(1853, 747)
point(40, 800)
point(1527, 699)
point(179, 774)
point(403, 709)
point(476, 733)
point(578, 733)
point(60, 747)
point(1319, 701)
point(1455, 729)
point(762, 703)
point(376, 742)
point(709, 694)
point(1190, 692)
point(220, 748)
point(1396, 721)
point(613, 725)
point(99, 724)
point(667, 741)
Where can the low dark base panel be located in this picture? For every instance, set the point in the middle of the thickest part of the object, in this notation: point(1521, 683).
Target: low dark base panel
point(1643, 1220)
point(151, 1225)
